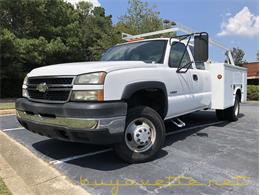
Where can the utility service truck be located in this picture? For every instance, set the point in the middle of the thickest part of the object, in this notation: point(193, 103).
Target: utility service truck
point(124, 98)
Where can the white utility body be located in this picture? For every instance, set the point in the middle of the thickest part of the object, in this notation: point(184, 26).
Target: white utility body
point(125, 97)
point(224, 90)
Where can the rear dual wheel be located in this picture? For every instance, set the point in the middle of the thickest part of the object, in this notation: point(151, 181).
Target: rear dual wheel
point(144, 135)
point(230, 114)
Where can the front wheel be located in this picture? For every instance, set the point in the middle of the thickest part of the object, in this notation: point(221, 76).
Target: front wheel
point(144, 135)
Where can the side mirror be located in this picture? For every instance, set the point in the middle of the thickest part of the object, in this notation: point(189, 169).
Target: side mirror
point(201, 47)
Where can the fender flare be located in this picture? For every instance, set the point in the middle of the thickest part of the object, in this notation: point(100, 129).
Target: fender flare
point(131, 88)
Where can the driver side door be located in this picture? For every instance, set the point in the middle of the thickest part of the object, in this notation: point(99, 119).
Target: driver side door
point(181, 97)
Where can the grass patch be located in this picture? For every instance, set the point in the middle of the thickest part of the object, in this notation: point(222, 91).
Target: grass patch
point(252, 92)
point(5, 106)
point(3, 189)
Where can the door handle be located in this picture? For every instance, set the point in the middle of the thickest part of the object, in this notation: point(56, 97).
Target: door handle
point(195, 77)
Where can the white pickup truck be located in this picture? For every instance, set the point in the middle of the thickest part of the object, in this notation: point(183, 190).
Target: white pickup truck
point(124, 98)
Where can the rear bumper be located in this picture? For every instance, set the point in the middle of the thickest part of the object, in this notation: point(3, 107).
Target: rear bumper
point(97, 123)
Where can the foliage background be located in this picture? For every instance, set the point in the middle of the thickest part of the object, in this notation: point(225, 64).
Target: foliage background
point(35, 33)
point(44, 32)
point(253, 92)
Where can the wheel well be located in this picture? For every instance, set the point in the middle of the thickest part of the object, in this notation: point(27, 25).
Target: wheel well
point(152, 97)
point(238, 93)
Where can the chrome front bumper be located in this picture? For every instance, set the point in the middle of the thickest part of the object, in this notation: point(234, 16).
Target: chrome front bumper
point(98, 123)
point(114, 124)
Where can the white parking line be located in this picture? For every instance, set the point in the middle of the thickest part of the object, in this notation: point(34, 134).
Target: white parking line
point(194, 127)
point(13, 129)
point(110, 149)
point(7, 115)
point(55, 162)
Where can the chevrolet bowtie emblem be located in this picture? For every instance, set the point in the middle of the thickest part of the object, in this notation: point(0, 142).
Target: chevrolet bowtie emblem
point(42, 87)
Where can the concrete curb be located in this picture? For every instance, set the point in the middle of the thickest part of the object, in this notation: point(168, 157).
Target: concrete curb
point(8, 111)
point(13, 181)
point(252, 101)
point(32, 174)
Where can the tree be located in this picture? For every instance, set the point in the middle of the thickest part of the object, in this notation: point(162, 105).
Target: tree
point(98, 33)
point(238, 55)
point(39, 29)
point(140, 18)
point(38, 33)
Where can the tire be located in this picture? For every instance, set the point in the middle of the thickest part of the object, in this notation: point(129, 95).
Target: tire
point(233, 112)
point(230, 114)
point(144, 135)
point(220, 115)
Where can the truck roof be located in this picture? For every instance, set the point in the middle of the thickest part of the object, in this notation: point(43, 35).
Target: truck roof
point(153, 39)
point(141, 40)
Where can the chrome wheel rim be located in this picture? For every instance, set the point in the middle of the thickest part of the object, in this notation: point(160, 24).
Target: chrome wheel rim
point(140, 135)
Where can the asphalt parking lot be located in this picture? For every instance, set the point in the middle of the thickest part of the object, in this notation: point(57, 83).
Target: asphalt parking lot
point(204, 150)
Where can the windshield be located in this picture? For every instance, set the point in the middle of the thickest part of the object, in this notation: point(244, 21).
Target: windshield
point(147, 51)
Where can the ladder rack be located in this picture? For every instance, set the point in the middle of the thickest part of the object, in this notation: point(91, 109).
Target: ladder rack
point(179, 28)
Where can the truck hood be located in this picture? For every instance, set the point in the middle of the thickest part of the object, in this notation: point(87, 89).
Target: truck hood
point(86, 67)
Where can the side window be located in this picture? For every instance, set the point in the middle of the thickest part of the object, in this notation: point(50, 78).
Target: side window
point(199, 65)
point(176, 53)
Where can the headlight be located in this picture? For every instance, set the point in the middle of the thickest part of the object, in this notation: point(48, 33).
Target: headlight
point(25, 81)
point(25, 93)
point(93, 95)
point(91, 78)
point(24, 88)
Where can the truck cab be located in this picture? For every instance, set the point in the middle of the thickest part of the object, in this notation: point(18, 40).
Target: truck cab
point(192, 86)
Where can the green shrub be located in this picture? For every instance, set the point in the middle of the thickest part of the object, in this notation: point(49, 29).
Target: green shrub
point(252, 92)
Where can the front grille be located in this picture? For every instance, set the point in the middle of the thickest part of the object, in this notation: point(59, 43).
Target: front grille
point(50, 81)
point(49, 95)
point(56, 89)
